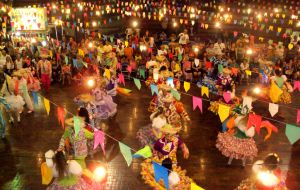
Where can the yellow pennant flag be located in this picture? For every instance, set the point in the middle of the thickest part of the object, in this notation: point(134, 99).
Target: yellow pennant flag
point(275, 93)
point(99, 35)
point(47, 105)
point(80, 52)
point(46, 174)
point(204, 90)
point(107, 73)
point(186, 86)
point(279, 29)
point(223, 112)
point(51, 54)
point(194, 186)
point(126, 43)
point(8, 79)
point(248, 72)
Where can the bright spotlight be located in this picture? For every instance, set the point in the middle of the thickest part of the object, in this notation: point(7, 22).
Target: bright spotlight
point(268, 179)
point(91, 83)
point(249, 51)
point(99, 173)
point(257, 90)
point(134, 23)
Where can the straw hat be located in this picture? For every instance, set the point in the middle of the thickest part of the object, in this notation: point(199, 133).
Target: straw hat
point(160, 58)
point(17, 74)
point(85, 98)
point(167, 99)
point(169, 129)
point(226, 71)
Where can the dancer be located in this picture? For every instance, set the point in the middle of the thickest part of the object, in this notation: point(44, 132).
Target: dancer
point(68, 174)
point(103, 104)
point(237, 142)
point(16, 103)
point(281, 82)
point(3, 106)
point(165, 150)
point(150, 133)
point(45, 68)
point(76, 145)
point(267, 175)
point(23, 90)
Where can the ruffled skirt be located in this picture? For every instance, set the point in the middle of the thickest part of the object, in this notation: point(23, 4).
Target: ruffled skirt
point(249, 184)
point(285, 97)
point(231, 146)
point(146, 136)
point(147, 173)
point(80, 185)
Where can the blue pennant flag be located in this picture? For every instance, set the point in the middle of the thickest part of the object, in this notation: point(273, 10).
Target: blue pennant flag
point(161, 172)
point(75, 63)
point(35, 98)
point(154, 89)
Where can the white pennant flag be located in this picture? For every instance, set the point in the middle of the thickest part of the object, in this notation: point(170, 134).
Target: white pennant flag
point(247, 104)
point(273, 109)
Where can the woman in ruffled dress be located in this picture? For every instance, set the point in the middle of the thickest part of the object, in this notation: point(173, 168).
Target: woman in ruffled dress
point(237, 142)
point(103, 104)
point(262, 169)
point(165, 150)
point(281, 81)
point(16, 103)
point(150, 133)
point(68, 174)
point(22, 86)
point(174, 111)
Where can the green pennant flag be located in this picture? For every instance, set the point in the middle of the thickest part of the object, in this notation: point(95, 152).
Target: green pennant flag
point(85, 64)
point(77, 124)
point(220, 68)
point(144, 152)
point(66, 60)
point(39, 49)
point(292, 132)
point(175, 94)
point(137, 83)
point(142, 73)
point(126, 152)
point(180, 57)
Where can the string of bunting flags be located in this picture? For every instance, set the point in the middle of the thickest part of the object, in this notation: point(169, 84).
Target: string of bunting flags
point(280, 20)
point(160, 172)
point(224, 110)
point(292, 132)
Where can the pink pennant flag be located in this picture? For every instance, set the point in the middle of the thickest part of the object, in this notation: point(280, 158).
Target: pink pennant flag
point(298, 116)
point(99, 139)
point(235, 33)
point(197, 102)
point(129, 69)
point(119, 66)
point(297, 85)
point(121, 79)
point(227, 96)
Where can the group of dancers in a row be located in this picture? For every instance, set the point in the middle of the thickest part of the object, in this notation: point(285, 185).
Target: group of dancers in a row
point(168, 118)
